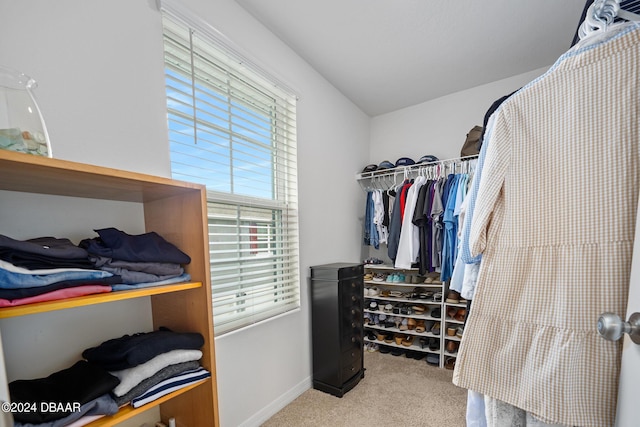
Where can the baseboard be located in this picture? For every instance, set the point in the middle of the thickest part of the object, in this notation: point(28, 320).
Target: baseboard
point(274, 407)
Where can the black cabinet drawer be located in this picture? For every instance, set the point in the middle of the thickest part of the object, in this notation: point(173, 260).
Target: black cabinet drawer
point(336, 312)
point(337, 271)
point(351, 369)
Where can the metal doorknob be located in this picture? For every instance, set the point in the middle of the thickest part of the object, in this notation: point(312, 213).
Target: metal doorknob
point(611, 327)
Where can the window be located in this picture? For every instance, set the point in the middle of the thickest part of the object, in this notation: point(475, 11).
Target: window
point(233, 130)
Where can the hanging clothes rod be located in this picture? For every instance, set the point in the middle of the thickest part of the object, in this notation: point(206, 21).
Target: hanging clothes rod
point(407, 170)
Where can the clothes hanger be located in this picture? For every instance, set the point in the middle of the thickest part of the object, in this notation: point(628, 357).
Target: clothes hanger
point(601, 15)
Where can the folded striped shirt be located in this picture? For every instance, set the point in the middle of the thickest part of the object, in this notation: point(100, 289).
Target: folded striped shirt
point(170, 385)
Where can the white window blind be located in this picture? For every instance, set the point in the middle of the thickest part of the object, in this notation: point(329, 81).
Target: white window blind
point(233, 130)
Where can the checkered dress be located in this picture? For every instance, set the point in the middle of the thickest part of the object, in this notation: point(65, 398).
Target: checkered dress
point(554, 220)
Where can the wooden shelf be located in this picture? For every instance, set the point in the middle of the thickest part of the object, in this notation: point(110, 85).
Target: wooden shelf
point(177, 211)
point(37, 174)
point(129, 411)
point(63, 304)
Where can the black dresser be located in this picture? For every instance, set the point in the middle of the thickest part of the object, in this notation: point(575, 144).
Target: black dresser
point(336, 321)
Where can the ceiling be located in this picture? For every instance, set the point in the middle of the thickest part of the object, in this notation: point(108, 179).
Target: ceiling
point(385, 55)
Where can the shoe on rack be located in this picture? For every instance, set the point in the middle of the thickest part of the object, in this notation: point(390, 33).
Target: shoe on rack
point(459, 331)
point(420, 326)
point(398, 338)
point(424, 342)
point(406, 310)
point(397, 321)
point(435, 330)
point(452, 346)
point(418, 309)
point(389, 337)
point(411, 323)
point(460, 315)
point(453, 297)
point(436, 312)
point(417, 355)
point(407, 341)
point(450, 363)
point(428, 324)
point(380, 335)
point(367, 318)
point(397, 351)
point(451, 331)
point(437, 297)
point(379, 277)
point(374, 292)
point(391, 278)
point(433, 359)
point(434, 344)
point(404, 325)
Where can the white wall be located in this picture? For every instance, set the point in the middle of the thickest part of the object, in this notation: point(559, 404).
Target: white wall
point(440, 126)
point(101, 89)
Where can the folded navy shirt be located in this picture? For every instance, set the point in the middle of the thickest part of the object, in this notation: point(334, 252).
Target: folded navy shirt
point(43, 252)
point(148, 247)
point(81, 383)
point(132, 350)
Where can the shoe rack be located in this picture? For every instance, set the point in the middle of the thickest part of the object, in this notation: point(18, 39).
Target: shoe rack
point(412, 315)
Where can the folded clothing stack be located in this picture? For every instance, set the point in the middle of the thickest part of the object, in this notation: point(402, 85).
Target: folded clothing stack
point(64, 396)
point(47, 268)
point(140, 260)
point(150, 365)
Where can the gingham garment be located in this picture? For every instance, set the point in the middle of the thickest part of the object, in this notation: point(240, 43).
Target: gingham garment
point(554, 220)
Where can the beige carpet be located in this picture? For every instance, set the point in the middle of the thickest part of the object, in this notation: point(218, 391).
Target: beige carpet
point(395, 391)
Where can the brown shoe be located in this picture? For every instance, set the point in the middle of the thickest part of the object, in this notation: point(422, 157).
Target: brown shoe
point(453, 297)
point(460, 315)
point(408, 340)
point(411, 323)
point(452, 346)
point(399, 338)
point(450, 363)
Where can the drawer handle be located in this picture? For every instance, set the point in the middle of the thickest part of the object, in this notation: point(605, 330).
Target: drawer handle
point(353, 339)
point(353, 297)
point(353, 325)
point(353, 285)
point(353, 312)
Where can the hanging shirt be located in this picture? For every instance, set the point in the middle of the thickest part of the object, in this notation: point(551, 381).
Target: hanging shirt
point(549, 267)
point(395, 225)
point(424, 227)
point(450, 230)
point(436, 218)
point(409, 243)
point(378, 217)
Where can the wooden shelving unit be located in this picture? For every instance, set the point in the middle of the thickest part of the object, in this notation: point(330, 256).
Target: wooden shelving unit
point(177, 211)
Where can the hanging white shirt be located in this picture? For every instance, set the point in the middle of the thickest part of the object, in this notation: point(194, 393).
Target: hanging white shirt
point(409, 244)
